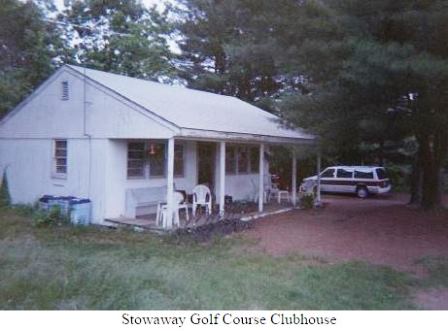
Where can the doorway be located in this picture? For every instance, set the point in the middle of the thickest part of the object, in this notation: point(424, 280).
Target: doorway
point(206, 164)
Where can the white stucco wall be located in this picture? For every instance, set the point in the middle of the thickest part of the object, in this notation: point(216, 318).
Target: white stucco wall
point(28, 163)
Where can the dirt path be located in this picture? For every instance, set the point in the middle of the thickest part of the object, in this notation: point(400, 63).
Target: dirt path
point(379, 230)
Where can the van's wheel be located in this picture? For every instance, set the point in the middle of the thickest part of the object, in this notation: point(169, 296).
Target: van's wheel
point(362, 192)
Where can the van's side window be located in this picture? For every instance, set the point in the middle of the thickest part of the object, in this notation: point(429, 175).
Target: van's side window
point(364, 175)
point(344, 173)
point(328, 173)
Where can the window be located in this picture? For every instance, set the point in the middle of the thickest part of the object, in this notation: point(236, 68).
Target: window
point(243, 160)
point(64, 91)
point(136, 159)
point(60, 158)
point(341, 173)
point(156, 159)
point(231, 160)
point(328, 173)
point(364, 175)
point(381, 173)
point(254, 159)
point(179, 160)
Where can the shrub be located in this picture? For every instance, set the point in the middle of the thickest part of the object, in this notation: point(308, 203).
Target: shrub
point(209, 231)
point(5, 198)
point(307, 201)
point(47, 218)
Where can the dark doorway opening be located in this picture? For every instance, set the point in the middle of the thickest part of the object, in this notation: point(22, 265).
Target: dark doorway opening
point(206, 164)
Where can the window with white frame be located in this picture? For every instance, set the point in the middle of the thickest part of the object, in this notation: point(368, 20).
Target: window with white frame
point(242, 159)
point(178, 160)
point(152, 155)
point(230, 160)
point(157, 159)
point(136, 159)
point(60, 158)
point(254, 159)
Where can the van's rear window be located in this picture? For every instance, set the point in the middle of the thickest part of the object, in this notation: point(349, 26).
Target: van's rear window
point(364, 175)
point(381, 173)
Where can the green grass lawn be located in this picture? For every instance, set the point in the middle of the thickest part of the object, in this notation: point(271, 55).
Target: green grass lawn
point(94, 268)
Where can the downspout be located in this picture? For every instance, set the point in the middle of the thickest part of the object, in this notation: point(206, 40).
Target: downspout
point(85, 134)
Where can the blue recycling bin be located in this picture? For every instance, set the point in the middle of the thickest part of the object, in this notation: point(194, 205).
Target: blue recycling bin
point(64, 204)
point(80, 210)
point(46, 202)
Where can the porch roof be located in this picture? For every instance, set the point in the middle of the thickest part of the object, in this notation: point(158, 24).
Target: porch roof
point(199, 114)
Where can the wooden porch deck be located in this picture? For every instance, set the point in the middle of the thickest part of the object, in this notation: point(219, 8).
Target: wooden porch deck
point(148, 222)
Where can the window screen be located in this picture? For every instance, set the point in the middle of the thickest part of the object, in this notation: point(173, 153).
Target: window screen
point(60, 157)
point(136, 159)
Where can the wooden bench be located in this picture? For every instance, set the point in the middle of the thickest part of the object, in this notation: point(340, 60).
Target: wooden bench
point(143, 197)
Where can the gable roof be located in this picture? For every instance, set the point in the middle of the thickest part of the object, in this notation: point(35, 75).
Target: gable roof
point(193, 109)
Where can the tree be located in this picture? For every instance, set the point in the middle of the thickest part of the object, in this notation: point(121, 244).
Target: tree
point(122, 37)
point(30, 49)
point(230, 47)
point(374, 56)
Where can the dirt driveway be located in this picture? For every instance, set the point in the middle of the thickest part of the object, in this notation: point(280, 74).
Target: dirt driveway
point(379, 230)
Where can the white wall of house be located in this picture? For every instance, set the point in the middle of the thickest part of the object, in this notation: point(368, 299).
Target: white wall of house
point(45, 115)
point(29, 165)
point(27, 137)
point(118, 183)
point(239, 186)
point(97, 126)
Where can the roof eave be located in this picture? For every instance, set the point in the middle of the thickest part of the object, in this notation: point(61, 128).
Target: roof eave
point(211, 135)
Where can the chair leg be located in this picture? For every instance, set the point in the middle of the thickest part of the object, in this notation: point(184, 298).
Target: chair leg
point(187, 217)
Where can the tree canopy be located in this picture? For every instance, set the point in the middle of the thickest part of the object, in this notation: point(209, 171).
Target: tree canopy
point(370, 77)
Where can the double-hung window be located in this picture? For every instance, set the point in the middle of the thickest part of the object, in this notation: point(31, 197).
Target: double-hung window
point(60, 158)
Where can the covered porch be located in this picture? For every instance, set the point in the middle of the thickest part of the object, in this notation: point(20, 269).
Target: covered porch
point(227, 167)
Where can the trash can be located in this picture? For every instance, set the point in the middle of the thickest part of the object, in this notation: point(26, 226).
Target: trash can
point(64, 204)
point(80, 210)
point(47, 201)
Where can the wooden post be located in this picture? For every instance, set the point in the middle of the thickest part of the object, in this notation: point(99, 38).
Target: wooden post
point(170, 183)
point(294, 178)
point(318, 177)
point(261, 180)
point(222, 177)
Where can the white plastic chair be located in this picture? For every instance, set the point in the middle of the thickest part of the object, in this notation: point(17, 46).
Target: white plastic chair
point(202, 197)
point(162, 209)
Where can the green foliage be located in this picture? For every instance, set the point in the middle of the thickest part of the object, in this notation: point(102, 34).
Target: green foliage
point(307, 201)
point(52, 217)
point(30, 47)
point(127, 39)
point(5, 198)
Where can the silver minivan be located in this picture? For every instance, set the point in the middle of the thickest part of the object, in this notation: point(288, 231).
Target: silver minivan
point(361, 180)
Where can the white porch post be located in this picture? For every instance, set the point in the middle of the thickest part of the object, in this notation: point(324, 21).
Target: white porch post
point(294, 177)
point(318, 176)
point(170, 183)
point(222, 177)
point(261, 180)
